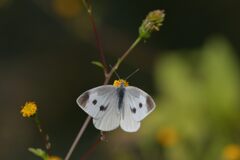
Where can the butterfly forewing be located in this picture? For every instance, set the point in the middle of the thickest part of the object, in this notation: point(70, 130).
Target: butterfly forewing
point(139, 102)
point(96, 101)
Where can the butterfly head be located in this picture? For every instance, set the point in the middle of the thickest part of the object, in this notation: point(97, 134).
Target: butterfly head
point(120, 82)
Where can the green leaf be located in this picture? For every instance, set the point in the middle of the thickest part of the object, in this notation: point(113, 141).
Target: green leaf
point(97, 63)
point(39, 152)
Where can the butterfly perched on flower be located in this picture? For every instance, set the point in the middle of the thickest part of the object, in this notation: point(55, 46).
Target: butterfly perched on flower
point(116, 105)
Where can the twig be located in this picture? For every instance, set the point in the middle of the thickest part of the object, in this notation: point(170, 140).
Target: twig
point(44, 135)
point(91, 149)
point(120, 60)
point(99, 46)
point(88, 6)
point(80, 133)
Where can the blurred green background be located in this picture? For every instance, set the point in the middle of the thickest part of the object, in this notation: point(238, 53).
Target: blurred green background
point(190, 67)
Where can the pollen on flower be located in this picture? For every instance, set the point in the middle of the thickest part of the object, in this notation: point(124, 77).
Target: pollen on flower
point(29, 109)
point(117, 83)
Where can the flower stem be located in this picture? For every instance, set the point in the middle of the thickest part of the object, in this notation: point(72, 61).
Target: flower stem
point(91, 149)
point(127, 52)
point(88, 6)
point(80, 133)
point(44, 135)
point(120, 60)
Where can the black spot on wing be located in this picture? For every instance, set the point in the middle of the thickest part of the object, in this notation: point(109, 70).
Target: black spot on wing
point(150, 103)
point(133, 110)
point(140, 105)
point(103, 108)
point(84, 99)
point(94, 101)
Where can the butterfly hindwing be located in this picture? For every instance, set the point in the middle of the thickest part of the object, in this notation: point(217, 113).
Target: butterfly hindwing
point(96, 101)
point(111, 118)
point(127, 122)
point(139, 102)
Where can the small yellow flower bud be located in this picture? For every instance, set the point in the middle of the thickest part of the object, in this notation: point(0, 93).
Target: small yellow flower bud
point(29, 109)
point(151, 23)
point(117, 83)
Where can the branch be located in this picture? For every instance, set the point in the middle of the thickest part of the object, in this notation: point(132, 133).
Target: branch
point(120, 60)
point(88, 6)
point(43, 134)
point(80, 133)
point(91, 149)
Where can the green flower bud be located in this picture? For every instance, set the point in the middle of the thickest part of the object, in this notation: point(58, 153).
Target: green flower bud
point(151, 23)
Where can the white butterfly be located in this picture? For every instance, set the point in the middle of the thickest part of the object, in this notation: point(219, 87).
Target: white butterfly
point(117, 104)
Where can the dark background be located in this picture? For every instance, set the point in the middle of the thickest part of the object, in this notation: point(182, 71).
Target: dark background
point(46, 48)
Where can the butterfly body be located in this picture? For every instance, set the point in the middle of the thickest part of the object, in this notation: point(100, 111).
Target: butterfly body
point(114, 105)
point(121, 94)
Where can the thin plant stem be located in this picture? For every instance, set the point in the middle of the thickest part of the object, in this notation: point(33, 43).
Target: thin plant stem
point(120, 60)
point(80, 133)
point(98, 42)
point(88, 6)
point(45, 136)
point(91, 149)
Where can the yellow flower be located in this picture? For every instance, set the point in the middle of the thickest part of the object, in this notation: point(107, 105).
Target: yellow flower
point(54, 158)
point(231, 152)
point(29, 109)
point(117, 83)
point(167, 137)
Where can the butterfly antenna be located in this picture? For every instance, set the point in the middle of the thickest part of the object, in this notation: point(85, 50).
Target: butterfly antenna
point(115, 72)
point(132, 74)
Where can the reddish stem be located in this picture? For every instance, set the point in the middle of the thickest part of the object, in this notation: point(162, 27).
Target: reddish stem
point(91, 149)
point(98, 42)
